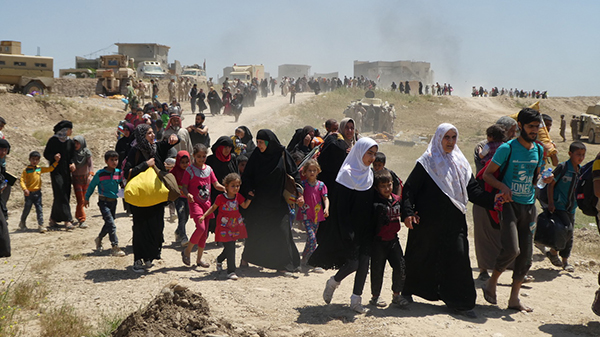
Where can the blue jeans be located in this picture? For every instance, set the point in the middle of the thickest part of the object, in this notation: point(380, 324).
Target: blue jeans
point(183, 215)
point(34, 198)
point(108, 210)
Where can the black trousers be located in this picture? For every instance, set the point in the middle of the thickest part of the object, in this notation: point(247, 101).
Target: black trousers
point(361, 267)
point(229, 254)
point(389, 251)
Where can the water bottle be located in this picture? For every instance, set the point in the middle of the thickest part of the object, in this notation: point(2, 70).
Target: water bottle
point(545, 174)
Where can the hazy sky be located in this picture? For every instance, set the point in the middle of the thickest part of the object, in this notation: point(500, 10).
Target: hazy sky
point(536, 44)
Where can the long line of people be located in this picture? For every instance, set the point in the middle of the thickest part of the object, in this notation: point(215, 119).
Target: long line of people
point(351, 206)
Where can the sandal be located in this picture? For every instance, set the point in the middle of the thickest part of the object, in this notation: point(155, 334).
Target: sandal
point(203, 264)
point(554, 259)
point(528, 279)
point(489, 298)
point(569, 268)
point(185, 258)
point(69, 225)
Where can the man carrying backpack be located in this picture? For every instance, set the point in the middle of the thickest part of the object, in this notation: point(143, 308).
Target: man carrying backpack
point(518, 216)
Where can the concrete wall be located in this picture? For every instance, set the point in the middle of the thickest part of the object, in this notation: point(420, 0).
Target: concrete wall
point(145, 52)
point(326, 75)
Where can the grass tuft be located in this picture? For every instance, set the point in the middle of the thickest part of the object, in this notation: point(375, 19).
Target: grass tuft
point(63, 321)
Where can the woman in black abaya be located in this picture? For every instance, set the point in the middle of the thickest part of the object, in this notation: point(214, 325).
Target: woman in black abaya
point(148, 222)
point(270, 243)
point(434, 204)
point(61, 176)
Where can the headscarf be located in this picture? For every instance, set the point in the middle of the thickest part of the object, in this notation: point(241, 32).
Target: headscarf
point(174, 116)
point(83, 154)
point(176, 170)
point(61, 129)
point(273, 144)
point(343, 123)
point(354, 174)
point(247, 139)
point(451, 172)
point(62, 125)
point(142, 144)
point(217, 148)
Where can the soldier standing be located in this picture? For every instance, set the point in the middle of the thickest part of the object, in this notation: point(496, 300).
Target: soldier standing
point(141, 91)
point(575, 128)
point(172, 90)
point(563, 126)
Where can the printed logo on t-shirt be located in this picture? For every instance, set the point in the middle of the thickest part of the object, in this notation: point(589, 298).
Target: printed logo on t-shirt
point(522, 177)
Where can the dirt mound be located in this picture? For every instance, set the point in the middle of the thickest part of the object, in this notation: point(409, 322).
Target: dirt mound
point(73, 87)
point(177, 311)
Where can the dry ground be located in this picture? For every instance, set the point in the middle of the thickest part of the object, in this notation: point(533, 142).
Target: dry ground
point(98, 284)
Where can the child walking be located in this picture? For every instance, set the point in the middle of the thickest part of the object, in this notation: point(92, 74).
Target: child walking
point(181, 204)
point(81, 177)
point(31, 183)
point(230, 225)
point(196, 186)
point(314, 210)
point(386, 247)
point(562, 201)
point(108, 181)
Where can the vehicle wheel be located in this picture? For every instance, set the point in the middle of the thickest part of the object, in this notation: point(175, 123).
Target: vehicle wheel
point(99, 87)
point(33, 86)
point(591, 137)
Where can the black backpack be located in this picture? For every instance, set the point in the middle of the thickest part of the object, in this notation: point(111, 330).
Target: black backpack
point(584, 191)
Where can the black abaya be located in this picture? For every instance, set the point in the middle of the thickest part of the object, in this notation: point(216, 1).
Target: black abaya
point(437, 251)
point(61, 177)
point(148, 222)
point(270, 243)
point(349, 231)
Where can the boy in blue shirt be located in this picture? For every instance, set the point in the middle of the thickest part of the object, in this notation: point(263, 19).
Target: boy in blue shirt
point(107, 180)
point(562, 200)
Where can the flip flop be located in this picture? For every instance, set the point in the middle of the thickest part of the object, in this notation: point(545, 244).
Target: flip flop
point(489, 298)
point(185, 259)
point(521, 308)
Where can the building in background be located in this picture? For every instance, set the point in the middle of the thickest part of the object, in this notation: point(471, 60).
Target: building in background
point(395, 71)
point(145, 52)
point(293, 71)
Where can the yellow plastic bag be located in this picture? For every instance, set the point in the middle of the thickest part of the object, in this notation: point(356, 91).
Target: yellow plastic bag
point(146, 189)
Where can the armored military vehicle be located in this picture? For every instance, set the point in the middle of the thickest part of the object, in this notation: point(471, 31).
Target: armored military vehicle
point(26, 74)
point(589, 124)
point(113, 75)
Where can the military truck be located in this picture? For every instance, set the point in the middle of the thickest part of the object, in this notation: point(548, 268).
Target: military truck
point(364, 111)
point(151, 69)
point(195, 73)
point(113, 75)
point(26, 74)
point(589, 124)
point(247, 73)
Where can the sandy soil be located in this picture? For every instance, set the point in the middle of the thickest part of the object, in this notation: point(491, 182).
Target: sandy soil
point(98, 284)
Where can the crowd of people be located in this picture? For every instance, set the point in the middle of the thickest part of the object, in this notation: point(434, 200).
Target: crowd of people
point(252, 189)
point(494, 92)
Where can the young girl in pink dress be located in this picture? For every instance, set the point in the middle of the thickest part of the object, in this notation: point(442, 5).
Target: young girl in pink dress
point(196, 186)
point(314, 210)
point(230, 225)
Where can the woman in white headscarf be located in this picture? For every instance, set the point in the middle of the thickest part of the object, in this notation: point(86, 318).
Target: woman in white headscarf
point(344, 243)
point(434, 204)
